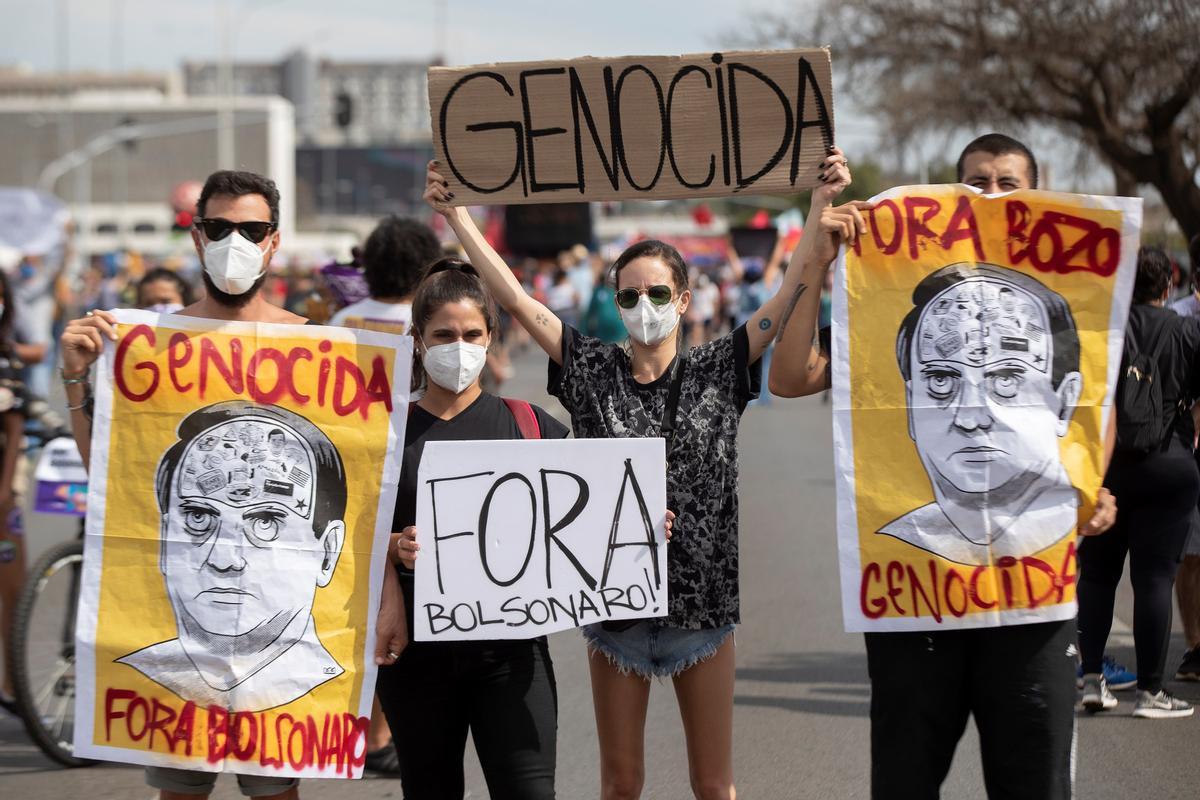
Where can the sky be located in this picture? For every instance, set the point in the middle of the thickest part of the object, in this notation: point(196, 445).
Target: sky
point(160, 34)
point(157, 34)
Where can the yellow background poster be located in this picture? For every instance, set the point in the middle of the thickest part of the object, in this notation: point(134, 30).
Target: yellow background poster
point(242, 488)
point(976, 343)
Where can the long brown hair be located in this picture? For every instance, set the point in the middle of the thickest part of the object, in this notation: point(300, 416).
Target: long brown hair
point(448, 280)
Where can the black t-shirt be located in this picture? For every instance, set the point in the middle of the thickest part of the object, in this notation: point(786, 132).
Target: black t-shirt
point(595, 383)
point(1178, 364)
point(487, 418)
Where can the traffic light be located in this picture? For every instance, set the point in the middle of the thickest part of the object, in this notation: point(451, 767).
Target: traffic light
point(183, 221)
point(343, 110)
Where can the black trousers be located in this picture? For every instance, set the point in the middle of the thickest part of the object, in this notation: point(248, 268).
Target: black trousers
point(1155, 500)
point(502, 692)
point(1017, 681)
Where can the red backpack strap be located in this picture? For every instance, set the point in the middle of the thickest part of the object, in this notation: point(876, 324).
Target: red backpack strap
point(526, 419)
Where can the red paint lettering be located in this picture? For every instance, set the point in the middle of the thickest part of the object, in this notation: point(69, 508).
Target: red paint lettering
point(935, 605)
point(231, 372)
point(897, 227)
point(895, 571)
point(119, 378)
point(1036, 600)
point(1066, 576)
point(218, 734)
point(160, 717)
point(1093, 248)
point(1005, 563)
point(876, 606)
point(379, 390)
point(243, 746)
point(963, 226)
point(973, 590)
point(952, 576)
point(185, 728)
point(348, 369)
point(297, 354)
point(176, 360)
point(302, 760)
point(918, 228)
point(283, 378)
point(111, 696)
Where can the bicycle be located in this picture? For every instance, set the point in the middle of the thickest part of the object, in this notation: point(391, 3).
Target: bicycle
point(43, 637)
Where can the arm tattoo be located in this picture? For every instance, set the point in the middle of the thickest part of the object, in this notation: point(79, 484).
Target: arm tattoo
point(764, 324)
point(787, 313)
point(541, 319)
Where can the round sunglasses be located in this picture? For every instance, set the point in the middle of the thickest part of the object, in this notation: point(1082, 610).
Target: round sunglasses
point(216, 229)
point(659, 295)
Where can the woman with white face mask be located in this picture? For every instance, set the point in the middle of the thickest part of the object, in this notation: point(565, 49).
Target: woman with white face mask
point(695, 402)
point(501, 692)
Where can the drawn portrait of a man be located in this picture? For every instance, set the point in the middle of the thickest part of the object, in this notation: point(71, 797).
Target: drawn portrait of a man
point(251, 501)
point(990, 361)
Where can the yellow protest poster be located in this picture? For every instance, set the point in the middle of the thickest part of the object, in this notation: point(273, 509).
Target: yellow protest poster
point(241, 493)
point(976, 345)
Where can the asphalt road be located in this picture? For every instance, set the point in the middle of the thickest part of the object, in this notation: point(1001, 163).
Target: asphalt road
point(801, 725)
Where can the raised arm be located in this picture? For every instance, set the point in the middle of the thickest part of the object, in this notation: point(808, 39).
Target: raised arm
point(800, 293)
point(541, 322)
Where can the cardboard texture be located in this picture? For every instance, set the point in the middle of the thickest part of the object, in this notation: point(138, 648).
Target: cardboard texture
point(648, 127)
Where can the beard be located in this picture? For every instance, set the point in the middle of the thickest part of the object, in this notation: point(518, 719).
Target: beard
point(232, 301)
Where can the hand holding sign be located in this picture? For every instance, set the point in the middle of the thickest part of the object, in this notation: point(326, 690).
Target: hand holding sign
point(437, 191)
point(840, 225)
point(83, 340)
point(835, 177)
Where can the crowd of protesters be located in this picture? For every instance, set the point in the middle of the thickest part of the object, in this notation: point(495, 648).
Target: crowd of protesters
point(646, 346)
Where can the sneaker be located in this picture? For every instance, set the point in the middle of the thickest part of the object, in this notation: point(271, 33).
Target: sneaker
point(385, 760)
point(1160, 706)
point(1189, 668)
point(1096, 696)
point(1115, 675)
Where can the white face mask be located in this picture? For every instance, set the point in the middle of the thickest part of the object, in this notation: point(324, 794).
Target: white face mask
point(165, 308)
point(454, 366)
point(234, 263)
point(648, 323)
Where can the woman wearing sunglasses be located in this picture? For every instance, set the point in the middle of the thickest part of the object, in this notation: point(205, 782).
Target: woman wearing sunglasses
point(695, 401)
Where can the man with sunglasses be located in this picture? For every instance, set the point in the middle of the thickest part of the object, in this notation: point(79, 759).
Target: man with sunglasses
point(236, 234)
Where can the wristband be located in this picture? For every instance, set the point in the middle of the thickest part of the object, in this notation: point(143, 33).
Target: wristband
point(62, 373)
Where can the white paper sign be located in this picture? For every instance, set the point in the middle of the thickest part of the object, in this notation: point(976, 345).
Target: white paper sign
point(523, 538)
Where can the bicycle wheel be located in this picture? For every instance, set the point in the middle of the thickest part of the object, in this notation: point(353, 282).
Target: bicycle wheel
point(43, 647)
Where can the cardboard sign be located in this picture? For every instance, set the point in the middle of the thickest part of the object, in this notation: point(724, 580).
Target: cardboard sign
point(523, 538)
point(976, 345)
point(651, 128)
point(243, 480)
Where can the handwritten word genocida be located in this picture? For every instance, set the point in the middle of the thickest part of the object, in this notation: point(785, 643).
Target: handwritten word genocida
point(693, 124)
point(267, 375)
point(940, 590)
point(598, 601)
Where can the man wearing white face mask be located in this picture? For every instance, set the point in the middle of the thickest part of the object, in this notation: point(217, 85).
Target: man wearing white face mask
point(236, 234)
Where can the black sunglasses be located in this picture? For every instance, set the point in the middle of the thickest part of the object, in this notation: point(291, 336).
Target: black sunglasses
point(217, 229)
point(660, 295)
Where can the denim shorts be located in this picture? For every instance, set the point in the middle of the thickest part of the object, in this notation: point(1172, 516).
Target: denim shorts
point(651, 649)
point(190, 781)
